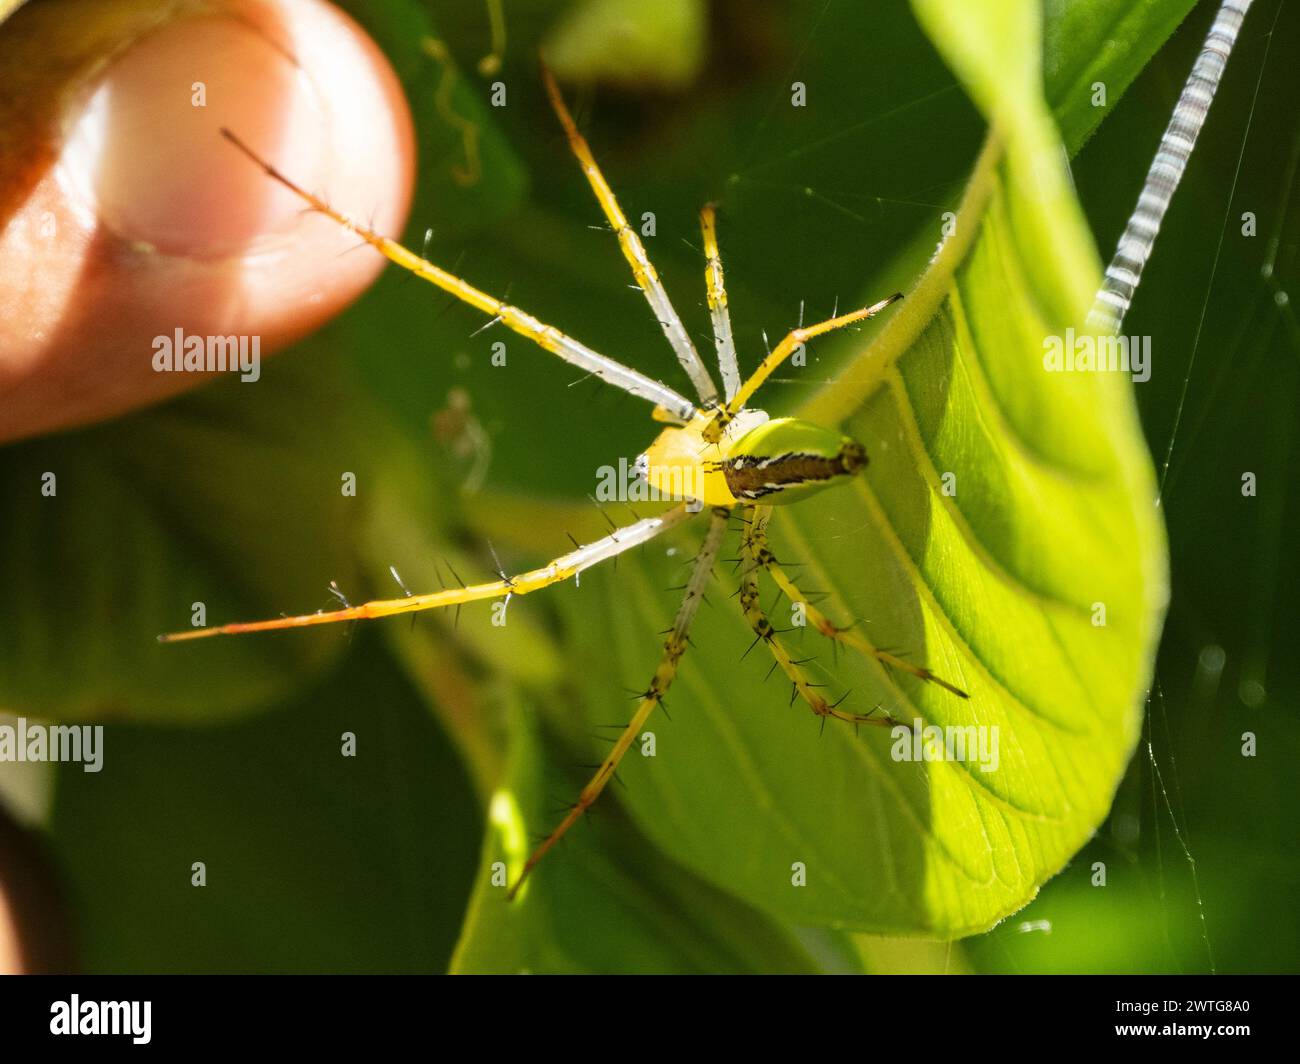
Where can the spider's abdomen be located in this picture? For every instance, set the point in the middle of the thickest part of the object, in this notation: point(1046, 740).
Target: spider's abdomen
point(759, 461)
point(785, 460)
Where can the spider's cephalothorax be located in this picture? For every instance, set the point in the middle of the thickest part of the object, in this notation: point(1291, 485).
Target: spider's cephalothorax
point(719, 455)
point(757, 460)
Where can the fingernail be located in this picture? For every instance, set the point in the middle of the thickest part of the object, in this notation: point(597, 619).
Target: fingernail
point(144, 154)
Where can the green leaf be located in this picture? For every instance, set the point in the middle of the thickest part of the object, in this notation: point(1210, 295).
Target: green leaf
point(314, 861)
point(610, 905)
point(155, 512)
point(1091, 42)
point(995, 587)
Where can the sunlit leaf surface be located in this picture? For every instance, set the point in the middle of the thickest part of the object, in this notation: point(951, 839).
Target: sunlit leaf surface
point(1004, 534)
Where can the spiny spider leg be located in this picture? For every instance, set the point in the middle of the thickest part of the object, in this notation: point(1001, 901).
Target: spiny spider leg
point(567, 565)
point(784, 350)
point(755, 545)
point(723, 339)
point(794, 671)
point(674, 648)
point(633, 250)
point(545, 336)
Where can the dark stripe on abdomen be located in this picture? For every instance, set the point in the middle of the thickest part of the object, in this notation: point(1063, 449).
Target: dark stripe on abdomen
point(753, 478)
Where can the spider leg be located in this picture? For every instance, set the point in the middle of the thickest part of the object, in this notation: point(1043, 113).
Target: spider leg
point(765, 633)
point(723, 339)
point(545, 336)
point(562, 568)
point(634, 251)
point(755, 544)
point(787, 347)
point(674, 648)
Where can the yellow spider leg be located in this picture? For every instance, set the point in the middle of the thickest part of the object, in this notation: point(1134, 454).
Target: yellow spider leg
point(794, 672)
point(561, 568)
point(784, 350)
point(674, 648)
point(717, 289)
point(545, 336)
point(756, 546)
point(633, 250)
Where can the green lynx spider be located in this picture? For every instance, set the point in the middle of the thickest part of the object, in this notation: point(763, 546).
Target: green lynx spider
point(729, 456)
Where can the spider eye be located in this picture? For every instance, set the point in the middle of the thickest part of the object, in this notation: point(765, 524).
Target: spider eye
point(785, 460)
